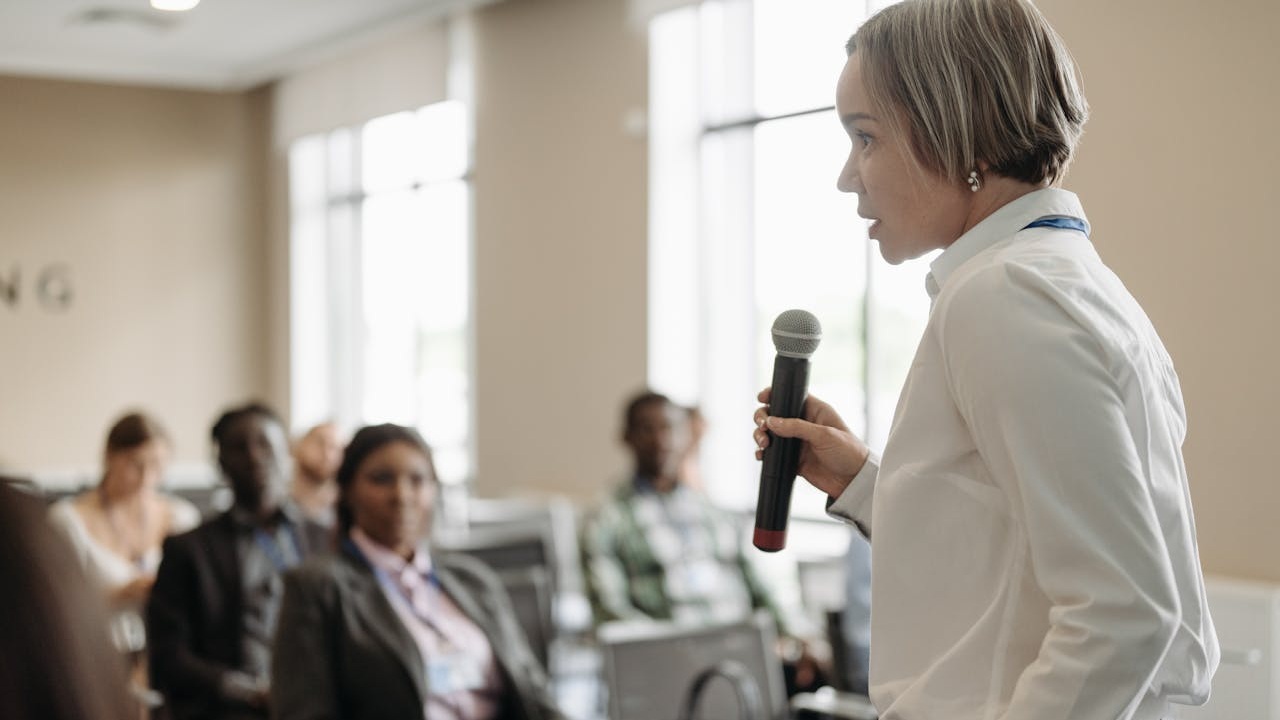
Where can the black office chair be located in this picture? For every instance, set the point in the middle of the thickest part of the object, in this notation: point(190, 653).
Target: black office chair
point(843, 700)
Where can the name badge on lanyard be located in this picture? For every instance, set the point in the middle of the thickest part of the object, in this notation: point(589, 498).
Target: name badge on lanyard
point(451, 672)
point(448, 670)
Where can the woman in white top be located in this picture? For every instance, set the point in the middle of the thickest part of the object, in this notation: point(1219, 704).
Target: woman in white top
point(1030, 521)
point(117, 528)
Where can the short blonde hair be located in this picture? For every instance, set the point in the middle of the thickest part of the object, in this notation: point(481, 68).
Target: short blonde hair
point(975, 81)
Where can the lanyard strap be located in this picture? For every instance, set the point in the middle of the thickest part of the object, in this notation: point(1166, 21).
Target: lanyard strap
point(393, 589)
point(270, 545)
point(427, 615)
point(393, 585)
point(1061, 222)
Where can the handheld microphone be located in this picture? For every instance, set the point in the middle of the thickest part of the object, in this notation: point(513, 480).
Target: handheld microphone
point(796, 335)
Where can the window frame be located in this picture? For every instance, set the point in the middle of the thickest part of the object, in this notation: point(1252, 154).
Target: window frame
point(327, 293)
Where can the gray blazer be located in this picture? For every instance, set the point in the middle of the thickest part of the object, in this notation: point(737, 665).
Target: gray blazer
point(341, 651)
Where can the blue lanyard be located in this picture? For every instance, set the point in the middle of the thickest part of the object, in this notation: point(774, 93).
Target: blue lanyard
point(270, 546)
point(397, 595)
point(1062, 223)
point(392, 588)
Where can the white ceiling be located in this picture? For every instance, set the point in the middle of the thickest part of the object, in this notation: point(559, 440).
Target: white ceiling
point(220, 45)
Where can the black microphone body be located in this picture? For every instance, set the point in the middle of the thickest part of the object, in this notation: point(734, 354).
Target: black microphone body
point(796, 335)
point(782, 457)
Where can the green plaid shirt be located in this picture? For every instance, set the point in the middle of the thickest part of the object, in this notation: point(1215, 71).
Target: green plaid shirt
point(668, 556)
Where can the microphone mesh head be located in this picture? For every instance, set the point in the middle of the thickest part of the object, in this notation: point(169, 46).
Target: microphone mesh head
point(796, 333)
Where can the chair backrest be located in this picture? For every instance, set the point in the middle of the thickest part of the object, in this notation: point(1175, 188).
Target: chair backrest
point(23, 484)
point(556, 518)
point(522, 559)
point(649, 667)
point(210, 500)
point(530, 592)
point(501, 547)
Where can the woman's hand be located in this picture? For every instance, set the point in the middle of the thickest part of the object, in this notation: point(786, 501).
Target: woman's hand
point(830, 456)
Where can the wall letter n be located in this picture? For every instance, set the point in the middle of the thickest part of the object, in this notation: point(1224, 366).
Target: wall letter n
point(9, 287)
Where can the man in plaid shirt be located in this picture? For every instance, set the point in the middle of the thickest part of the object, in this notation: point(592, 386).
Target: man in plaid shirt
point(660, 550)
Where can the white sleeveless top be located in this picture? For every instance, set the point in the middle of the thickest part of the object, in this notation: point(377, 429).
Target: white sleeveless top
point(103, 565)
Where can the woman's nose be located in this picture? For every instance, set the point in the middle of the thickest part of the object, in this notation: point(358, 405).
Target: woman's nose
point(402, 490)
point(849, 180)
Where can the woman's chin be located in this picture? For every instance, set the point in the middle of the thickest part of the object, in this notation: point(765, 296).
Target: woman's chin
point(892, 254)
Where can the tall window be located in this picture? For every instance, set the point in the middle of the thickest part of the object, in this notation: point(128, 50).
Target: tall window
point(381, 278)
point(746, 222)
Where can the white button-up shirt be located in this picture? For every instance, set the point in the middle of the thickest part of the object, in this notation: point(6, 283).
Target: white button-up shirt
point(1034, 549)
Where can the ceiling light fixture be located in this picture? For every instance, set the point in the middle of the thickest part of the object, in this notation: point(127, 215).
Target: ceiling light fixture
point(174, 5)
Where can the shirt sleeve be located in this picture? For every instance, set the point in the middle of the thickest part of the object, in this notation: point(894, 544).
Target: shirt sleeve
point(1040, 395)
point(175, 664)
point(854, 504)
point(303, 665)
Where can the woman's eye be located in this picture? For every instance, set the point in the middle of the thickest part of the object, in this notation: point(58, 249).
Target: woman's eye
point(862, 139)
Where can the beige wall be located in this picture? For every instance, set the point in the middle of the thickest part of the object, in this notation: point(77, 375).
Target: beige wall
point(153, 198)
point(153, 201)
point(560, 242)
point(1178, 172)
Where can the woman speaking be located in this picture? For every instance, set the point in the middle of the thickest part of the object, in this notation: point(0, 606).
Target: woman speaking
point(1034, 548)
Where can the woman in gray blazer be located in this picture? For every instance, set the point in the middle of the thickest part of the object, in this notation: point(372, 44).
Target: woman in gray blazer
point(385, 629)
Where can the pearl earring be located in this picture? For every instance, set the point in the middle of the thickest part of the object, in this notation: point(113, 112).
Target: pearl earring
point(975, 183)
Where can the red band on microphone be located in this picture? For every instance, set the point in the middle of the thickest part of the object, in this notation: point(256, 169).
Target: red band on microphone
point(769, 540)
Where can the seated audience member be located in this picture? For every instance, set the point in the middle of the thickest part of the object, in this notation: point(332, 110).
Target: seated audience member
point(213, 608)
point(658, 550)
point(56, 661)
point(385, 628)
point(316, 456)
point(116, 529)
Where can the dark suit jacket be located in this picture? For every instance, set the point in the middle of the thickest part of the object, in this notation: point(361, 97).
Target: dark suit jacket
point(195, 616)
point(343, 653)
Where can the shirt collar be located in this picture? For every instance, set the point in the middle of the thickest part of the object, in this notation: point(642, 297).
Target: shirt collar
point(1000, 225)
point(385, 559)
point(641, 485)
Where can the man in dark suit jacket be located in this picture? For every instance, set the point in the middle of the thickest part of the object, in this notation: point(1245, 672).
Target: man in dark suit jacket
point(343, 652)
point(211, 614)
